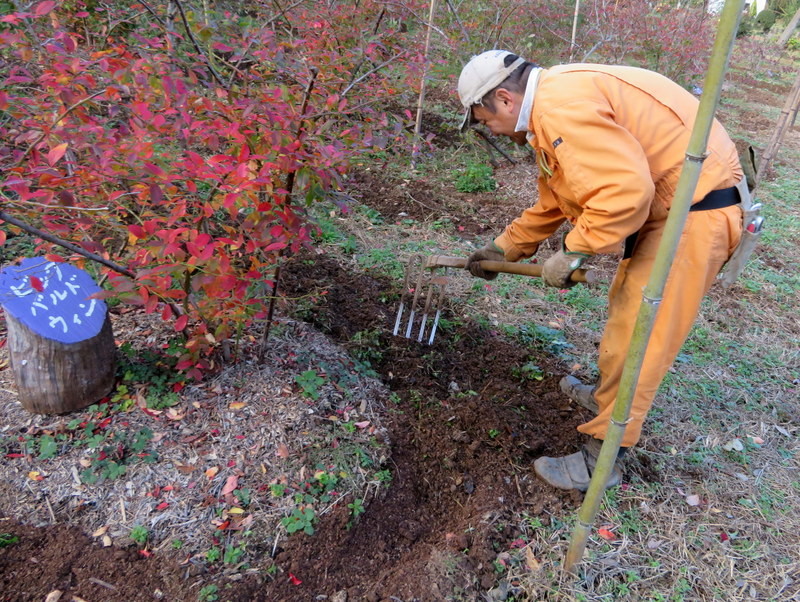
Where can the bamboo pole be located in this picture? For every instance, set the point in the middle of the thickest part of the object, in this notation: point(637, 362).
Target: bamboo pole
point(695, 153)
point(785, 121)
point(574, 29)
point(421, 101)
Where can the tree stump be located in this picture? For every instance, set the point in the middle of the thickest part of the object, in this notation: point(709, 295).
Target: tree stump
point(61, 344)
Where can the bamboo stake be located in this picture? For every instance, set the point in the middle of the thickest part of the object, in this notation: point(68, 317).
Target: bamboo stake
point(785, 121)
point(574, 29)
point(695, 153)
point(418, 126)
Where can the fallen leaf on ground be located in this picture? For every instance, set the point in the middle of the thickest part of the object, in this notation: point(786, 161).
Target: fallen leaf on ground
point(101, 531)
point(693, 500)
point(174, 414)
point(230, 484)
point(294, 580)
point(606, 534)
point(237, 405)
point(283, 451)
point(733, 444)
point(35, 475)
point(531, 561)
point(212, 472)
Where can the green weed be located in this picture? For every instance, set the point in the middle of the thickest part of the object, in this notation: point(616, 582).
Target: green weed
point(476, 177)
point(208, 593)
point(6, 539)
point(139, 534)
point(301, 519)
point(310, 382)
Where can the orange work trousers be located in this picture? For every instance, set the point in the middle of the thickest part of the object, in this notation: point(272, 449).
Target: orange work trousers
point(708, 239)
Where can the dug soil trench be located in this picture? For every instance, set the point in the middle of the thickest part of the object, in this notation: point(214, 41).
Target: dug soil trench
point(464, 432)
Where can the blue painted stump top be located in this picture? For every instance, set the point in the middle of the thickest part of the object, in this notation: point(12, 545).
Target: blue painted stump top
point(52, 299)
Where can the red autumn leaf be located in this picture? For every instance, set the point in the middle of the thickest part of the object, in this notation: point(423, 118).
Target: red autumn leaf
point(162, 506)
point(36, 284)
point(56, 152)
point(181, 322)
point(223, 525)
point(156, 194)
point(2, 237)
point(723, 536)
point(606, 534)
point(294, 580)
point(146, 553)
point(43, 8)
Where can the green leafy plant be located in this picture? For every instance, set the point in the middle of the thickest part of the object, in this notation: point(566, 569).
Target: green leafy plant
point(384, 476)
point(243, 495)
point(310, 382)
point(477, 177)
point(301, 519)
point(48, 448)
point(208, 593)
point(233, 554)
point(139, 534)
point(213, 554)
point(356, 507)
point(6, 539)
point(528, 371)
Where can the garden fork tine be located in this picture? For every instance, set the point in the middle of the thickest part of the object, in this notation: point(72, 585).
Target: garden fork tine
point(422, 295)
point(414, 272)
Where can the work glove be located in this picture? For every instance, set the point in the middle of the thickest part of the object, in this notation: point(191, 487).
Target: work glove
point(490, 252)
point(558, 268)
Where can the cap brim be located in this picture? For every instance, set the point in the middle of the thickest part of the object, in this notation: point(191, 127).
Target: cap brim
point(467, 121)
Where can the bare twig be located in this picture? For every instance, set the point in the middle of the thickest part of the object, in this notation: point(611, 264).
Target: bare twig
point(196, 45)
point(102, 583)
point(289, 188)
point(464, 33)
point(66, 112)
point(67, 245)
point(154, 13)
point(371, 71)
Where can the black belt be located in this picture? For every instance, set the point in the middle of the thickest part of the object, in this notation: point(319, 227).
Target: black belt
point(716, 199)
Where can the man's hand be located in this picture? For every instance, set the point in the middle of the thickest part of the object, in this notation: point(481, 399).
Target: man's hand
point(490, 252)
point(558, 268)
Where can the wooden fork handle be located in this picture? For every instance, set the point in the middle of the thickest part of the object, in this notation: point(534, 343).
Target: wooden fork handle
point(507, 267)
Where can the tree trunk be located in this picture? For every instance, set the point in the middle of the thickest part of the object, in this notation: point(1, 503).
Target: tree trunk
point(54, 377)
point(787, 33)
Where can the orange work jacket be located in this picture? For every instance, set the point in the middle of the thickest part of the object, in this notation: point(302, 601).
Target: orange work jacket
point(610, 143)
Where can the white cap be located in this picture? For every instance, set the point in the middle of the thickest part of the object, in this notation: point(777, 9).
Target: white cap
point(482, 74)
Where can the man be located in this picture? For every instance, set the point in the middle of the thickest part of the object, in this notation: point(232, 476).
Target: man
point(610, 143)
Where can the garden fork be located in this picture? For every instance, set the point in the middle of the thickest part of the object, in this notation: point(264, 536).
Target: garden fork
point(423, 290)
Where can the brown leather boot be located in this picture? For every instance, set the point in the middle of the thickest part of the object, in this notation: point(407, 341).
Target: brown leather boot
point(575, 470)
point(580, 393)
